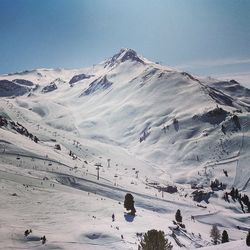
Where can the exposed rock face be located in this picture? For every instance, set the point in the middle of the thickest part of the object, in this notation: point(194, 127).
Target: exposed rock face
point(49, 88)
point(23, 82)
point(130, 55)
point(220, 97)
point(9, 88)
point(214, 116)
point(200, 195)
point(16, 126)
point(169, 189)
point(99, 84)
point(78, 78)
point(122, 56)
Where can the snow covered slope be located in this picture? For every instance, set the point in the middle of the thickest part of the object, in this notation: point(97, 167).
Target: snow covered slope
point(148, 125)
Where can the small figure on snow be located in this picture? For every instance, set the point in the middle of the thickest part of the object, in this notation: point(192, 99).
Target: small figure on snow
point(27, 232)
point(113, 217)
point(43, 239)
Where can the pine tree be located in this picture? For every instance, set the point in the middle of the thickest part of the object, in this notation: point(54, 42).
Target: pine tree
point(215, 234)
point(245, 199)
point(154, 239)
point(224, 237)
point(129, 203)
point(236, 193)
point(248, 239)
point(178, 216)
point(232, 193)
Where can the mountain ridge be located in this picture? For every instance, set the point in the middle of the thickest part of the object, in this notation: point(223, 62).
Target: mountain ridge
point(129, 87)
point(76, 141)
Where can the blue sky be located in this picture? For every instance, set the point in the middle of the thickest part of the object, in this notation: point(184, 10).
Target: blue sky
point(205, 37)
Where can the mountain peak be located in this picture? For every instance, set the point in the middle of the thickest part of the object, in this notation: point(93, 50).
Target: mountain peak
point(125, 54)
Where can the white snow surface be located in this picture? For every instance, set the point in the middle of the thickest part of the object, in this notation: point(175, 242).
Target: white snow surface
point(158, 126)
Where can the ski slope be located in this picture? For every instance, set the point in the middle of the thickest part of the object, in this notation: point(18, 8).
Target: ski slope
point(148, 127)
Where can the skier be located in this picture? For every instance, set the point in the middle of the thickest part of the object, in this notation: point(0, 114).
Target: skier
point(113, 217)
point(43, 239)
point(27, 232)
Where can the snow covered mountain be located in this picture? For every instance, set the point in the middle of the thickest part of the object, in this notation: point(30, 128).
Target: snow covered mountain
point(151, 127)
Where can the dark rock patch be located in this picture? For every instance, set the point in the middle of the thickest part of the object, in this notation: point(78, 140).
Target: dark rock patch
point(49, 88)
point(78, 78)
point(23, 82)
point(97, 85)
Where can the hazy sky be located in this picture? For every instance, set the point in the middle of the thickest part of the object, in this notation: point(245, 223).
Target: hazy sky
point(201, 36)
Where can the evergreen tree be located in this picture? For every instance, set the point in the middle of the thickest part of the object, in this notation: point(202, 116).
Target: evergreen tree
point(215, 234)
point(232, 193)
point(224, 237)
point(236, 193)
point(154, 240)
point(248, 239)
point(178, 216)
point(129, 203)
point(226, 197)
point(245, 199)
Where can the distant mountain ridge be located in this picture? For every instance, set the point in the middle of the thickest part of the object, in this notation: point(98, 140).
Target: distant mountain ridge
point(167, 117)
